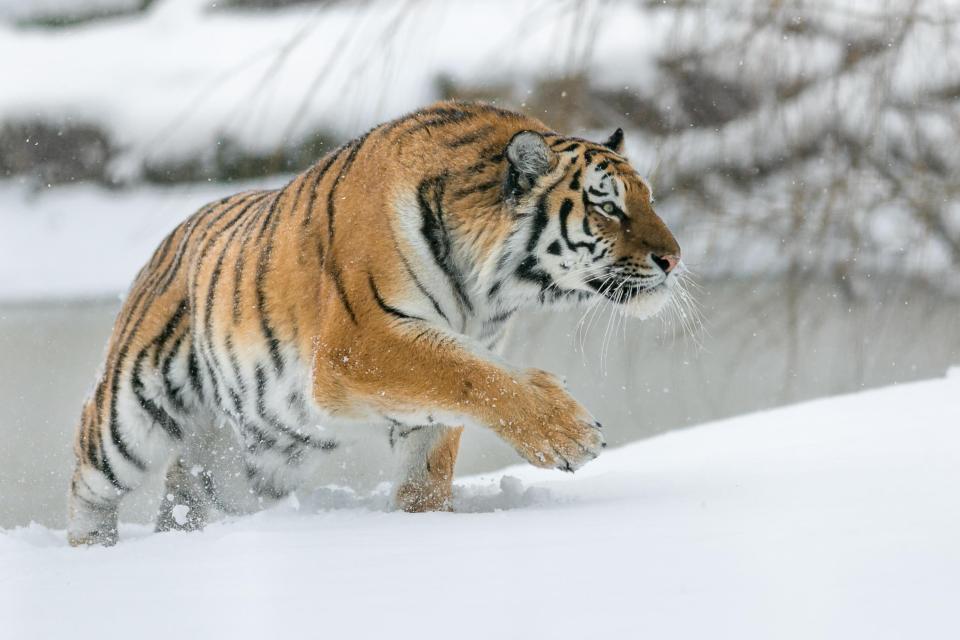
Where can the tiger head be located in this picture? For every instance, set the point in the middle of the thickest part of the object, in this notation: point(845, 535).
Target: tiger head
point(592, 229)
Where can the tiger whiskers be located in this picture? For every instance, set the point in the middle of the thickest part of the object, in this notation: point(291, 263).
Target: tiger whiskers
point(686, 311)
point(590, 313)
point(616, 300)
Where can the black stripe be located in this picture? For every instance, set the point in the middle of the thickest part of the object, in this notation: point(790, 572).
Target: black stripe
point(459, 194)
point(540, 221)
point(133, 311)
point(471, 137)
point(296, 403)
point(215, 278)
point(434, 231)
point(215, 281)
point(160, 415)
point(214, 370)
point(214, 380)
point(294, 454)
point(162, 251)
point(419, 284)
point(342, 292)
point(262, 488)
point(430, 111)
point(108, 506)
point(331, 158)
point(156, 413)
point(173, 393)
point(275, 422)
point(164, 335)
point(573, 146)
point(191, 225)
point(528, 271)
point(271, 218)
point(242, 206)
point(541, 218)
point(476, 168)
point(333, 268)
point(107, 470)
point(262, 441)
point(244, 236)
point(493, 324)
point(589, 153)
point(331, 209)
point(439, 117)
point(235, 365)
point(98, 400)
point(215, 215)
point(585, 223)
point(273, 343)
point(193, 373)
point(384, 306)
point(91, 449)
point(565, 208)
point(237, 403)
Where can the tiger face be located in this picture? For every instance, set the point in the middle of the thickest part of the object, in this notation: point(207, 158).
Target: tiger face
point(592, 229)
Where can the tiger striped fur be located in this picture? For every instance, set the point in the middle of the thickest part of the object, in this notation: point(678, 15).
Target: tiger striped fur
point(373, 289)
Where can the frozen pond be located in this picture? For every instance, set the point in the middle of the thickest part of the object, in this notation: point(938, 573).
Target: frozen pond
point(765, 344)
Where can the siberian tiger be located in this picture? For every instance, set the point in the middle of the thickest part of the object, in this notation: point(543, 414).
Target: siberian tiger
point(372, 289)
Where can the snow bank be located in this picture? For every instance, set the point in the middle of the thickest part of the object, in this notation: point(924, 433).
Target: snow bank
point(173, 82)
point(87, 241)
point(830, 519)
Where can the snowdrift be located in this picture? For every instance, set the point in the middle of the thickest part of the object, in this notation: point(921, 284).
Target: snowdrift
point(832, 519)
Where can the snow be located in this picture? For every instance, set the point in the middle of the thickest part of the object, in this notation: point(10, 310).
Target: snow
point(86, 241)
point(180, 78)
point(179, 512)
point(831, 519)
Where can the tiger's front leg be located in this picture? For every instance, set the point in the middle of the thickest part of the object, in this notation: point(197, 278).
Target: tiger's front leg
point(426, 458)
point(408, 373)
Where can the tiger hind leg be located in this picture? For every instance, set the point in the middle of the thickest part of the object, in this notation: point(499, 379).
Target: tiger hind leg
point(186, 501)
point(92, 513)
point(427, 455)
point(96, 492)
point(114, 455)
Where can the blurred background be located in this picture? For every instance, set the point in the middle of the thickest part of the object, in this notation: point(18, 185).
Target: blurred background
point(804, 152)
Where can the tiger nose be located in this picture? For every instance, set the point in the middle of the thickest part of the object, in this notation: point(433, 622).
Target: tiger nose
point(668, 262)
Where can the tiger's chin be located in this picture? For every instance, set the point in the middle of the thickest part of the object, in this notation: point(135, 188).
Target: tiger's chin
point(648, 302)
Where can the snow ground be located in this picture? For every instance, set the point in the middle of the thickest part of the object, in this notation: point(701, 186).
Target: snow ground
point(831, 519)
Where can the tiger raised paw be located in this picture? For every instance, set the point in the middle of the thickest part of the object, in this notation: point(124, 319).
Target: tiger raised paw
point(374, 289)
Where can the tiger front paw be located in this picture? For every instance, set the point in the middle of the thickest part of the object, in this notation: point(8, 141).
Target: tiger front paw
point(554, 431)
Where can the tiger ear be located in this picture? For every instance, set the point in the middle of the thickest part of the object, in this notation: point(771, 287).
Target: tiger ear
point(615, 141)
point(530, 158)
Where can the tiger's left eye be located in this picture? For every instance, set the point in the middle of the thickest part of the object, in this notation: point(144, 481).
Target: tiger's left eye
point(608, 208)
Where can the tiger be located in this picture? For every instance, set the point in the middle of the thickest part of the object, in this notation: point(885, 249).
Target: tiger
point(373, 290)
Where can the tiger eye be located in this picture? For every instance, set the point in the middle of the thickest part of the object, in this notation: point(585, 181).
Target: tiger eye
point(608, 208)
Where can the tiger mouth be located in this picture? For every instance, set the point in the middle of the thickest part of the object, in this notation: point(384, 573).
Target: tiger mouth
point(621, 290)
